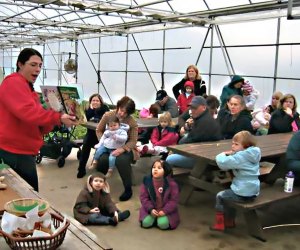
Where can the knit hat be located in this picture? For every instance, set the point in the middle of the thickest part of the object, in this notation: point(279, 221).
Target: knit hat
point(235, 79)
point(189, 84)
point(161, 94)
point(106, 187)
point(197, 101)
point(247, 87)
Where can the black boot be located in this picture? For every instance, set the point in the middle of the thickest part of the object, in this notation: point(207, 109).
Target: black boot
point(113, 221)
point(81, 173)
point(126, 194)
point(123, 215)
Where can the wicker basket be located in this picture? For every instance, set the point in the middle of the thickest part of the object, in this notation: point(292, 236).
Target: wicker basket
point(20, 207)
point(39, 243)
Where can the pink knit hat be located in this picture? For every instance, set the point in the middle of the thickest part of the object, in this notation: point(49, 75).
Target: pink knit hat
point(189, 84)
point(247, 87)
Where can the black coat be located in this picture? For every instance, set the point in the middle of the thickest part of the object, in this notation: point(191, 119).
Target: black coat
point(205, 128)
point(281, 122)
point(230, 126)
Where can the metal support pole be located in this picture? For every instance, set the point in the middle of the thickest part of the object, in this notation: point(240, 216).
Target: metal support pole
point(210, 57)
point(76, 61)
point(276, 53)
point(163, 62)
point(126, 66)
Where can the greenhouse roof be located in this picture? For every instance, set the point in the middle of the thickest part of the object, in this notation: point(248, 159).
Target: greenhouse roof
point(41, 21)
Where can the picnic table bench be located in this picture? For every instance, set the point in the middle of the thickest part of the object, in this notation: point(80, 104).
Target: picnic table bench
point(268, 196)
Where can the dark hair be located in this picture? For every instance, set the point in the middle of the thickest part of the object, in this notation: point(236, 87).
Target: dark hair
point(96, 95)
point(25, 55)
point(113, 119)
point(127, 103)
point(154, 110)
point(166, 166)
point(97, 175)
point(212, 103)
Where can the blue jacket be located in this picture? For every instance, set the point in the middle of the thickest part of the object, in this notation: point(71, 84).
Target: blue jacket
point(245, 167)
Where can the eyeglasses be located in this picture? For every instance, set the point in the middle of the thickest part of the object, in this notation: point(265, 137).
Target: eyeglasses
point(34, 65)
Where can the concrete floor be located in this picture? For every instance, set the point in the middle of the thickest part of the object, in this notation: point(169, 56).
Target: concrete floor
point(61, 187)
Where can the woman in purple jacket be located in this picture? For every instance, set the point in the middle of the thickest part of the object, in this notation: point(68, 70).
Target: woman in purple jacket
point(159, 197)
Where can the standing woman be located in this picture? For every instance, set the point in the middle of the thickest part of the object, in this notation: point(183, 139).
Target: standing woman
point(191, 74)
point(285, 118)
point(95, 111)
point(126, 154)
point(23, 120)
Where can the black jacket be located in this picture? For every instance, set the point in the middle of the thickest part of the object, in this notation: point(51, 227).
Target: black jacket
point(230, 126)
point(205, 128)
point(281, 122)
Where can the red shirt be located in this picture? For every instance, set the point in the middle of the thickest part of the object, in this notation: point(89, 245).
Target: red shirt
point(23, 120)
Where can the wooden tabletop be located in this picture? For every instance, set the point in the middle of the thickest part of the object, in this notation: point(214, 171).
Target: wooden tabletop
point(270, 145)
point(141, 122)
point(77, 236)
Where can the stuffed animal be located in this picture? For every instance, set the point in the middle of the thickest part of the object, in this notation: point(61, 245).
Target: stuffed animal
point(2, 185)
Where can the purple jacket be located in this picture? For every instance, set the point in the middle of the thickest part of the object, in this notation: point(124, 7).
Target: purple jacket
point(170, 200)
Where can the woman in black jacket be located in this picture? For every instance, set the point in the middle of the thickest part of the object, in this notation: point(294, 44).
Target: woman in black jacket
point(285, 118)
point(191, 74)
point(94, 113)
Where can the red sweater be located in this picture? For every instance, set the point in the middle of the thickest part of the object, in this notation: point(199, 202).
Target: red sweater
point(23, 120)
point(183, 102)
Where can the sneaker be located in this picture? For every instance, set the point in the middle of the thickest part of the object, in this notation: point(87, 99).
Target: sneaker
point(81, 174)
point(123, 215)
point(109, 173)
point(113, 221)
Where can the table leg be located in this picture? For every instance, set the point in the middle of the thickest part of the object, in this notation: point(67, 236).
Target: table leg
point(254, 227)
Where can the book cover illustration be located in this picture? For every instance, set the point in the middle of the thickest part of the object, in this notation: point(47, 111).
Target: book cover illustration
point(53, 98)
point(69, 96)
point(64, 99)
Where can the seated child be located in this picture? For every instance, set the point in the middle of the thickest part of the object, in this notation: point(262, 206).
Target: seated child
point(260, 120)
point(159, 195)
point(115, 136)
point(243, 160)
point(94, 205)
point(163, 135)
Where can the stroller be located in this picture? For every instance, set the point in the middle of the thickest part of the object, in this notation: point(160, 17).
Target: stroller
point(58, 145)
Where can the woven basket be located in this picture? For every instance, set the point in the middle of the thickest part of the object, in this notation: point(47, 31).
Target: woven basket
point(20, 207)
point(39, 243)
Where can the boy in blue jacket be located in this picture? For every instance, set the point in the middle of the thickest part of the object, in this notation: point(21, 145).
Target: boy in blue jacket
point(243, 160)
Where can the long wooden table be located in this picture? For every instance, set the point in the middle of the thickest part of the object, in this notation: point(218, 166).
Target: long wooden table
point(142, 123)
point(273, 148)
point(77, 236)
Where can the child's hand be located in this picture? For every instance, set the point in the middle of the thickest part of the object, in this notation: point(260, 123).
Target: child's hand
point(228, 152)
point(95, 210)
point(154, 213)
point(161, 213)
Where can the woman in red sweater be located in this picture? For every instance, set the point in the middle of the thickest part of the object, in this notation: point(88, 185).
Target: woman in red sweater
point(23, 120)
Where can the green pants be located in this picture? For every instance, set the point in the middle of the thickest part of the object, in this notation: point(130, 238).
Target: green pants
point(162, 222)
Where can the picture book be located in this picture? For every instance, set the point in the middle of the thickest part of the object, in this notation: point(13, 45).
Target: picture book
point(64, 99)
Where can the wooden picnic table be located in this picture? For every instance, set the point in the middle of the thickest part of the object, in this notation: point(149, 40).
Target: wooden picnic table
point(142, 123)
point(273, 148)
point(77, 236)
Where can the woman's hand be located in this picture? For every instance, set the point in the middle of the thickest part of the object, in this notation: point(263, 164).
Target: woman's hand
point(95, 210)
point(118, 152)
point(289, 111)
point(68, 120)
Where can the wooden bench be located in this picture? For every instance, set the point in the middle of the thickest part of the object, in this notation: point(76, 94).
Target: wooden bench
point(268, 196)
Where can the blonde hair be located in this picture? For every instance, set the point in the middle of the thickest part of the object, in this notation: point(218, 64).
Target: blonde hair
point(166, 116)
point(245, 138)
point(194, 67)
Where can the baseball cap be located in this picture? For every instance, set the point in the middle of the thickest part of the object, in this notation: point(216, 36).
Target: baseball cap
point(197, 101)
point(161, 94)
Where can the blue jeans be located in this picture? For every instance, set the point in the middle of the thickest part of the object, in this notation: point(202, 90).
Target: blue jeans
point(98, 219)
point(102, 150)
point(228, 194)
point(180, 161)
